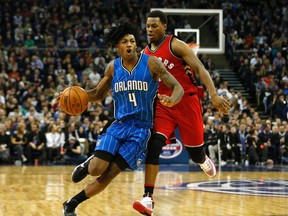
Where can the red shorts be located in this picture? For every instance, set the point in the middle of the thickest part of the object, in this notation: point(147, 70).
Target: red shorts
point(186, 115)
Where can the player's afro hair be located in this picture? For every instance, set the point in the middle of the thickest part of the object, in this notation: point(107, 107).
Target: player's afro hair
point(117, 32)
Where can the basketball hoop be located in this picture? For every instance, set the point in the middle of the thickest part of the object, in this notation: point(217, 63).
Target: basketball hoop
point(194, 47)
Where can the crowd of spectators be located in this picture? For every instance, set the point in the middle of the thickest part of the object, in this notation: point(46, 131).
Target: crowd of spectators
point(48, 45)
point(256, 47)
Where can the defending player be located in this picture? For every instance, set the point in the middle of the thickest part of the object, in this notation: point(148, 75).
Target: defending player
point(186, 115)
point(133, 81)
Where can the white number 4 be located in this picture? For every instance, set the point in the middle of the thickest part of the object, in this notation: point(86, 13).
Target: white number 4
point(132, 98)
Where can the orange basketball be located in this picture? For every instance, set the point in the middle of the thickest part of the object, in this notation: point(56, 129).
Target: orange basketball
point(74, 100)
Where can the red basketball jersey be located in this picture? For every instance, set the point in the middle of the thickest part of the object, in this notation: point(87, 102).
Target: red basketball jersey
point(173, 64)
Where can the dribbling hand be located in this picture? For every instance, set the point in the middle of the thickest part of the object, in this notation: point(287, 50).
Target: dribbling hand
point(56, 100)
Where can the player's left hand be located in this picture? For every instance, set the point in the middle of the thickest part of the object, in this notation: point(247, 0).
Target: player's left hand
point(221, 104)
point(56, 100)
point(165, 100)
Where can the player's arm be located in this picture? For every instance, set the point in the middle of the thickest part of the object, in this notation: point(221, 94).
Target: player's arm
point(180, 48)
point(159, 72)
point(101, 90)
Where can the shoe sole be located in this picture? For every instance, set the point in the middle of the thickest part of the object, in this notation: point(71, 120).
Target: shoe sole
point(63, 211)
point(142, 209)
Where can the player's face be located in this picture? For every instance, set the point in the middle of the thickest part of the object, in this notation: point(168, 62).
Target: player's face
point(127, 46)
point(155, 29)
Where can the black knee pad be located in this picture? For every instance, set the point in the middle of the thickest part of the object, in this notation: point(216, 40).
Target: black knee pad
point(197, 154)
point(155, 144)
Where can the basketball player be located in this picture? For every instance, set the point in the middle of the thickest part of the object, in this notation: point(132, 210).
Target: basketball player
point(133, 80)
point(186, 115)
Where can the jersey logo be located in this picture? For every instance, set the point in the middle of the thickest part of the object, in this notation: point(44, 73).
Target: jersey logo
point(166, 63)
point(98, 141)
point(131, 85)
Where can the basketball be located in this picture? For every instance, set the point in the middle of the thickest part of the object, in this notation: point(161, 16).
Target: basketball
point(74, 100)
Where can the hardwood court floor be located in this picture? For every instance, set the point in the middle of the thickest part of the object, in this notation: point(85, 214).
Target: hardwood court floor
point(41, 190)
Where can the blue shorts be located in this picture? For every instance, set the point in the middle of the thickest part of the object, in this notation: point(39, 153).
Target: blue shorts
point(128, 138)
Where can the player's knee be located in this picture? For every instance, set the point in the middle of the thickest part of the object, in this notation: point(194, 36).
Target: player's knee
point(197, 154)
point(99, 163)
point(155, 145)
point(96, 170)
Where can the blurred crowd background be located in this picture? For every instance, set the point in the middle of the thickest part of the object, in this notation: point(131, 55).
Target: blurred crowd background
point(48, 45)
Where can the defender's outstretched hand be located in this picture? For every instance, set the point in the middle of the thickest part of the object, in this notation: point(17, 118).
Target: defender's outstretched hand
point(221, 104)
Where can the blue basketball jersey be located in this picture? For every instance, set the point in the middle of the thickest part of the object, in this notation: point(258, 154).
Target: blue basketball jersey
point(133, 92)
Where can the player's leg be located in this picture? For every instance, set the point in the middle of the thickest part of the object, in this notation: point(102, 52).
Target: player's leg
point(103, 151)
point(191, 129)
point(155, 146)
point(164, 125)
point(117, 165)
point(146, 204)
point(95, 165)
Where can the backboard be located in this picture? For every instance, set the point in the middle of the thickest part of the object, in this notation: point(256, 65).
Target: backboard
point(197, 26)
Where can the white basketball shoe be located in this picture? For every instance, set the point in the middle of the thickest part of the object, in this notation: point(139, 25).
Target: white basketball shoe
point(144, 206)
point(208, 167)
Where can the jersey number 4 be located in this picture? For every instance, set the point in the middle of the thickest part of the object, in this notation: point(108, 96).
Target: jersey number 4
point(132, 98)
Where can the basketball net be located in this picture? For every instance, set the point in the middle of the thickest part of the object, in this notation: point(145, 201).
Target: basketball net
point(194, 47)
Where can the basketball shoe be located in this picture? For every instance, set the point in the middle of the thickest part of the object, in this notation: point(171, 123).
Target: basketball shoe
point(81, 171)
point(69, 207)
point(145, 205)
point(208, 167)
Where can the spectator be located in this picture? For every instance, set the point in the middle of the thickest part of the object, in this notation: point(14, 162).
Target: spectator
point(19, 142)
point(243, 134)
point(36, 63)
point(94, 78)
point(4, 145)
point(32, 112)
point(281, 108)
point(72, 153)
point(14, 75)
point(53, 143)
point(225, 146)
point(214, 144)
point(36, 148)
point(234, 148)
point(228, 23)
point(275, 153)
point(261, 38)
point(67, 132)
point(283, 131)
point(264, 143)
point(92, 134)
point(252, 148)
point(89, 69)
